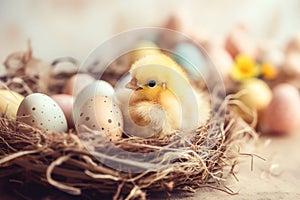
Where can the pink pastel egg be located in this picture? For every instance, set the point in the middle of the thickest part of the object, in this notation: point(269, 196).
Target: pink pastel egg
point(178, 22)
point(222, 60)
point(65, 102)
point(294, 44)
point(76, 83)
point(282, 116)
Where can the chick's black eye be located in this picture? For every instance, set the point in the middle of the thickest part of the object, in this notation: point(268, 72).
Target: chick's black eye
point(151, 83)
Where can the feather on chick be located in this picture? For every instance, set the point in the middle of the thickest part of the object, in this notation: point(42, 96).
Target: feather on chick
point(161, 99)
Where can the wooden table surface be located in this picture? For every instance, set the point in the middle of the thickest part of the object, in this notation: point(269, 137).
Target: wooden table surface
point(276, 178)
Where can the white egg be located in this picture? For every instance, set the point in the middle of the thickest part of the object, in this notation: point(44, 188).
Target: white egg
point(100, 114)
point(40, 111)
point(93, 89)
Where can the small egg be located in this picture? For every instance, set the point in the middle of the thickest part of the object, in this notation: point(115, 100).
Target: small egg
point(76, 83)
point(179, 22)
point(65, 102)
point(282, 116)
point(271, 53)
point(239, 41)
point(9, 103)
point(291, 64)
point(257, 94)
point(99, 113)
point(222, 61)
point(91, 90)
point(294, 44)
point(191, 58)
point(40, 111)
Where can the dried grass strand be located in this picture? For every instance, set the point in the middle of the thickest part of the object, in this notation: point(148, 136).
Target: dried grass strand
point(11, 157)
point(51, 181)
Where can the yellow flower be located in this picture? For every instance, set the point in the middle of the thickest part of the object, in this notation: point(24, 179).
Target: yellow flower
point(268, 71)
point(244, 68)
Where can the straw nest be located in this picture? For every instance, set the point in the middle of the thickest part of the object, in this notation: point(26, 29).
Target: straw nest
point(63, 161)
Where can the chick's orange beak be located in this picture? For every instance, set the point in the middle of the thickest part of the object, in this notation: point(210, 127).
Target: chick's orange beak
point(133, 84)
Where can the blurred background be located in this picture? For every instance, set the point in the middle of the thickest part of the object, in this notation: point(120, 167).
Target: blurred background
point(75, 27)
point(59, 28)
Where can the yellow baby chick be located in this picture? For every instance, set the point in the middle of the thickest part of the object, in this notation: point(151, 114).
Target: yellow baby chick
point(161, 99)
point(143, 48)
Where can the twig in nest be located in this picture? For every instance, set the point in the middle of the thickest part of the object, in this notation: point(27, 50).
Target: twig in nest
point(135, 193)
point(118, 192)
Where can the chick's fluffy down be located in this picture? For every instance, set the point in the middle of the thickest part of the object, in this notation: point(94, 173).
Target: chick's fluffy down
point(169, 106)
point(146, 119)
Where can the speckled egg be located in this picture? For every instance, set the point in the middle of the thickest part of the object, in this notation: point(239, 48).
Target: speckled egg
point(93, 89)
point(65, 102)
point(76, 83)
point(190, 57)
point(9, 103)
point(257, 94)
point(282, 116)
point(40, 111)
point(100, 113)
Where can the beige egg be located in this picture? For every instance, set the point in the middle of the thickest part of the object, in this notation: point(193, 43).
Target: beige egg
point(282, 116)
point(65, 102)
point(100, 114)
point(76, 83)
point(40, 111)
point(9, 103)
point(257, 94)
